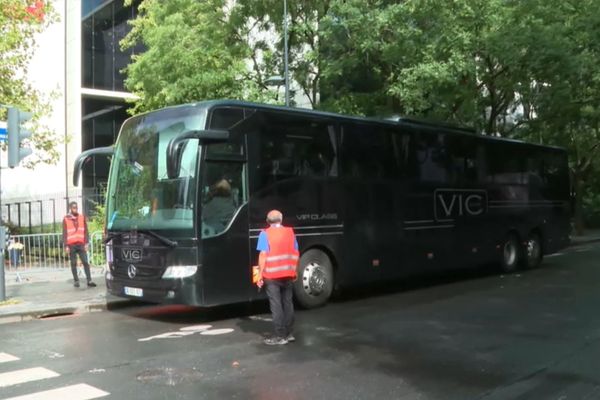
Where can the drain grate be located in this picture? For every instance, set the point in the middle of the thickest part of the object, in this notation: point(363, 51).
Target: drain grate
point(58, 315)
point(168, 376)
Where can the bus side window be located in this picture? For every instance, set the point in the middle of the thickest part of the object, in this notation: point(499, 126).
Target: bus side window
point(432, 156)
point(225, 118)
point(371, 152)
point(290, 147)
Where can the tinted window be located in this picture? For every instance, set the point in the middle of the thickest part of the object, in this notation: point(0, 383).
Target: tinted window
point(506, 163)
point(555, 176)
point(291, 146)
point(467, 160)
point(433, 159)
point(227, 119)
point(373, 152)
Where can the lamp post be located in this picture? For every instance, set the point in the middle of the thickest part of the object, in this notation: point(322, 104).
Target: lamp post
point(278, 80)
point(286, 74)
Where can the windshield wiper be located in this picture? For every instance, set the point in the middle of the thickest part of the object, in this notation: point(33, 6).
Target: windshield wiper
point(164, 240)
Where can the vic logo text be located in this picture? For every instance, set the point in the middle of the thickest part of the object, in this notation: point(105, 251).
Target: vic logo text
point(452, 203)
point(131, 254)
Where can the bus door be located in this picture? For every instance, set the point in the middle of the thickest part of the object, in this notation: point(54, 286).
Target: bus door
point(224, 213)
point(293, 161)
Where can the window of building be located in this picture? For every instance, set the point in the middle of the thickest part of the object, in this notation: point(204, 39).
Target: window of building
point(103, 27)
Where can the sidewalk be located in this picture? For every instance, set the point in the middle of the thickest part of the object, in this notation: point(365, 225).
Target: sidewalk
point(44, 292)
point(589, 236)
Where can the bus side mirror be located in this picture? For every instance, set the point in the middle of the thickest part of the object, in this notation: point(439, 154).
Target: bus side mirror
point(176, 147)
point(84, 156)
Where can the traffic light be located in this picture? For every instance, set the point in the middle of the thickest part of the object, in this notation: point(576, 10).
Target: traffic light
point(16, 134)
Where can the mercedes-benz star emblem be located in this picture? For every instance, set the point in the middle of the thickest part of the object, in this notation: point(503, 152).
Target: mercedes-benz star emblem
point(131, 271)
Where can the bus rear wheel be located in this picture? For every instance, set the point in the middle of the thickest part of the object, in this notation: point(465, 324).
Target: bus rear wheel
point(533, 251)
point(510, 253)
point(314, 285)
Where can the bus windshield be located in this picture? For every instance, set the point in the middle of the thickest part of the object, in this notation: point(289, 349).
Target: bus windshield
point(140, 193)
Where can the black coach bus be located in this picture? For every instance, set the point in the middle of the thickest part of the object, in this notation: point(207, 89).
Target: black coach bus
point(370, 200)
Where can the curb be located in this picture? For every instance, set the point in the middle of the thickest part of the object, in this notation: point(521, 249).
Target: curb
point(584, 241)
point(21, 316)
point(49, 312)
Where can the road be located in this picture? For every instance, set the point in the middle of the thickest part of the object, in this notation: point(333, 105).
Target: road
point(532, 335)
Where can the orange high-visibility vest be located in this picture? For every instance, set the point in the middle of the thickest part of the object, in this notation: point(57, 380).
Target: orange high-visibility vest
point(75, 234)
point(282, 257)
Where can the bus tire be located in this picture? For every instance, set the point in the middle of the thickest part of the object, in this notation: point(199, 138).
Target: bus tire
point(510, 253)
point(315, 279)
point(533, 252)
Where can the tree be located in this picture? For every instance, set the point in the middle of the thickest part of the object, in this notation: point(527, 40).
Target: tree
point(221, 49)
point(194, 51)
point(20, 22)
point(525, 69)
point(512, 68)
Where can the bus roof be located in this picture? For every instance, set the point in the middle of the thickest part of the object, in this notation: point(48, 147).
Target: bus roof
point(395, 121)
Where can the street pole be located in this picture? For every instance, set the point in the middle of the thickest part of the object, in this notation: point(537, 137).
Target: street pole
point(285, 55)
point(2, 244)
point(2, 237)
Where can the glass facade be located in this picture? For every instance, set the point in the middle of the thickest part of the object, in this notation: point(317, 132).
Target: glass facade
point(103, 59)
point(101, 122)
point(103, 26)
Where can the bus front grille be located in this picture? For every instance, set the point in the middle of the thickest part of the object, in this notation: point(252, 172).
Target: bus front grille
point(141, 272)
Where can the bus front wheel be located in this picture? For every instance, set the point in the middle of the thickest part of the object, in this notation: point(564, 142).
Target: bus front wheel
point(315, 279)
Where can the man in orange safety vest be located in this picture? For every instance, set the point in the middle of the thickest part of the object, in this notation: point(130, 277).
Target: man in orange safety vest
point(277, 263)
point(75, 239)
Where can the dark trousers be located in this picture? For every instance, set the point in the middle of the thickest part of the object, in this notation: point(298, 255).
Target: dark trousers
point(282, 307)
point(74, 250)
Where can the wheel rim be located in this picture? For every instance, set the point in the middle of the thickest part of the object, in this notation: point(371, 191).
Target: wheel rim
point(314, 279)
point(510, 253)
point(533, 250)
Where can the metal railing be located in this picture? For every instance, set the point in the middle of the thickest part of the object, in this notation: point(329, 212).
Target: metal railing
point(46, 250)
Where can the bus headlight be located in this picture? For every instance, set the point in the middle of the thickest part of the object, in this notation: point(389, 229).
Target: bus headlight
point(180, 271)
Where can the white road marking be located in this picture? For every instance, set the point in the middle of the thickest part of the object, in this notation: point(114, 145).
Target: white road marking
point(261, 318)
point(5, 357)
point(73, 392)
point(168, 335)
point(25, 375)
point(196, 328)
point(217, 331)
point(97, 371)
point(188, 330)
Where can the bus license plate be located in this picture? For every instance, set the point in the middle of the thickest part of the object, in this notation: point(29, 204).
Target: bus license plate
point(131, 291)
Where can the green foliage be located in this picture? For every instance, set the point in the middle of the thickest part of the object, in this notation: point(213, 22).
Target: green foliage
point(526, 69)
point(96, 223)
point(193, 54)
point(18, 30)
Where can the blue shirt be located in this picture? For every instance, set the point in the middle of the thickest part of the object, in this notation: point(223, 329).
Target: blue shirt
point(263, 242)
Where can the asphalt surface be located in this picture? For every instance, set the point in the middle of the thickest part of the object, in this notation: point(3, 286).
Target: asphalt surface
point(531, 335)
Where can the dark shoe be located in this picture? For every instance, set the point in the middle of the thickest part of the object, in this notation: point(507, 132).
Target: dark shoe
point(91, 284)
point(274, 341)
point(290, 338)
point(76, 283)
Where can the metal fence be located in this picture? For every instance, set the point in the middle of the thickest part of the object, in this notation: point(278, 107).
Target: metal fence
point(44, 214)
point(46, 250)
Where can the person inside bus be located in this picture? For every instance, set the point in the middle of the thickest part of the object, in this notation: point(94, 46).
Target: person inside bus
point(219, 209)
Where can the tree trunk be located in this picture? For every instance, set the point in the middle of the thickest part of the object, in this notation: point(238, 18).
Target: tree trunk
point(578, 209)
